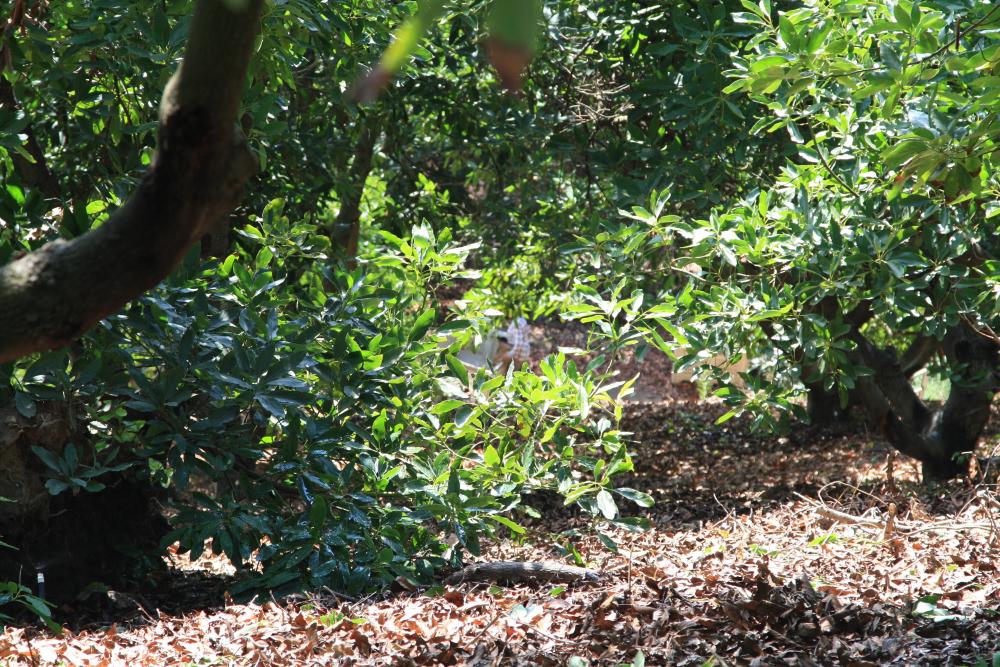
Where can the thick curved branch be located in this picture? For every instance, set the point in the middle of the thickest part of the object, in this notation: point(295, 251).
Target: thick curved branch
point(51, 296)
point(887, 393)
point(937, 436)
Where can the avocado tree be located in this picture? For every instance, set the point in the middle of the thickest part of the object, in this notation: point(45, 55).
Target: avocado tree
point(874, 254)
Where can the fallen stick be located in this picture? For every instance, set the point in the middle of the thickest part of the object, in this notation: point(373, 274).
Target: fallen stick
point(518, 572)
point(897, 526)
point(842, 517)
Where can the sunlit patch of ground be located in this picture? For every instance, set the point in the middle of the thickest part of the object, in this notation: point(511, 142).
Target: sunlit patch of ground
point(765, 551)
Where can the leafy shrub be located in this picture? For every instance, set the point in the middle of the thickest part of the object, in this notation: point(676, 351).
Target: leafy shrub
point(873, 253)
point(314, 425)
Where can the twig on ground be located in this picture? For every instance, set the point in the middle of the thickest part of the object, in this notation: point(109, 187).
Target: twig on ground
point(890, 522)
point(487, 626)
point(890, 473)
point(901, 527)
point(822, 509)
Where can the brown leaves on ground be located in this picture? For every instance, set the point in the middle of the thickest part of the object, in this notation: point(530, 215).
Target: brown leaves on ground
point(744, 566)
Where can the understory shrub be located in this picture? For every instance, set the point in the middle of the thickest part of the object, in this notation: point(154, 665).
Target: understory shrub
point(313, 424)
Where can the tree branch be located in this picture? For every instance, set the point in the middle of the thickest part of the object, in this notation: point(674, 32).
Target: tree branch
point(918, 354)
point(889, 400)
point(939, 436)
point(51, 296)
point(346, 227)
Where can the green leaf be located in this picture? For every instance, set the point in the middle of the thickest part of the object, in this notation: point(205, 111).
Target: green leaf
point(16, 193)
point(48, 458)
point(271, 405)
point(38, 606)
point(902, 17)
point(608, 542)
point(902, 152)
point(825, 538)
point(771, 313)
point(457, 368)
point(890, 58)
point(454, 325)
point(606, 503)
point(70, 457)
point(318, 513)
point(455, 482)
point(25, 404)
point(422, 324)
point(735, 86)
point(264, 257)
point(56, 486)
point(504, 521)
point(465, 413)
point(446, 406)
point(640, 498)
point(768, 62)
point(726, 417)
point(490, 456)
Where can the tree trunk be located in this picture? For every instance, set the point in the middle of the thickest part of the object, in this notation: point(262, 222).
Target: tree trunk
point(347, 226)
point(944, 437)
point(823, 406)
point(52, 295)
point(71, 538)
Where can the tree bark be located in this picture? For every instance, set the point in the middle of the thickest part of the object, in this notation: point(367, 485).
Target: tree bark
point(347, 226)
point(916, 356)
point(941, 438)
point(52, 295)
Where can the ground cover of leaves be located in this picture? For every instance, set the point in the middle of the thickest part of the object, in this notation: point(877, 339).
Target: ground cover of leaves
point(764, 551)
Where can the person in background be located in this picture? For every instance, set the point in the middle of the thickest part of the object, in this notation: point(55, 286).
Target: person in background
point(515, 345)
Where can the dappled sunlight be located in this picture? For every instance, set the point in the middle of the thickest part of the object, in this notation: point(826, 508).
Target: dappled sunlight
point(734, 565)
point(325, 342)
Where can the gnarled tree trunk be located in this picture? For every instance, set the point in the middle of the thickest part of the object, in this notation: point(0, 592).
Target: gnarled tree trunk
point(941, 437)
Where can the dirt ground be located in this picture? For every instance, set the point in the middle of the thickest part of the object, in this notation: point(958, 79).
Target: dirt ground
point(801, 550)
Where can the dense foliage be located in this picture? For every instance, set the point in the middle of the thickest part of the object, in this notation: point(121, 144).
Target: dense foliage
point(307, 419)
point(822, 193)
point(873, 253)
